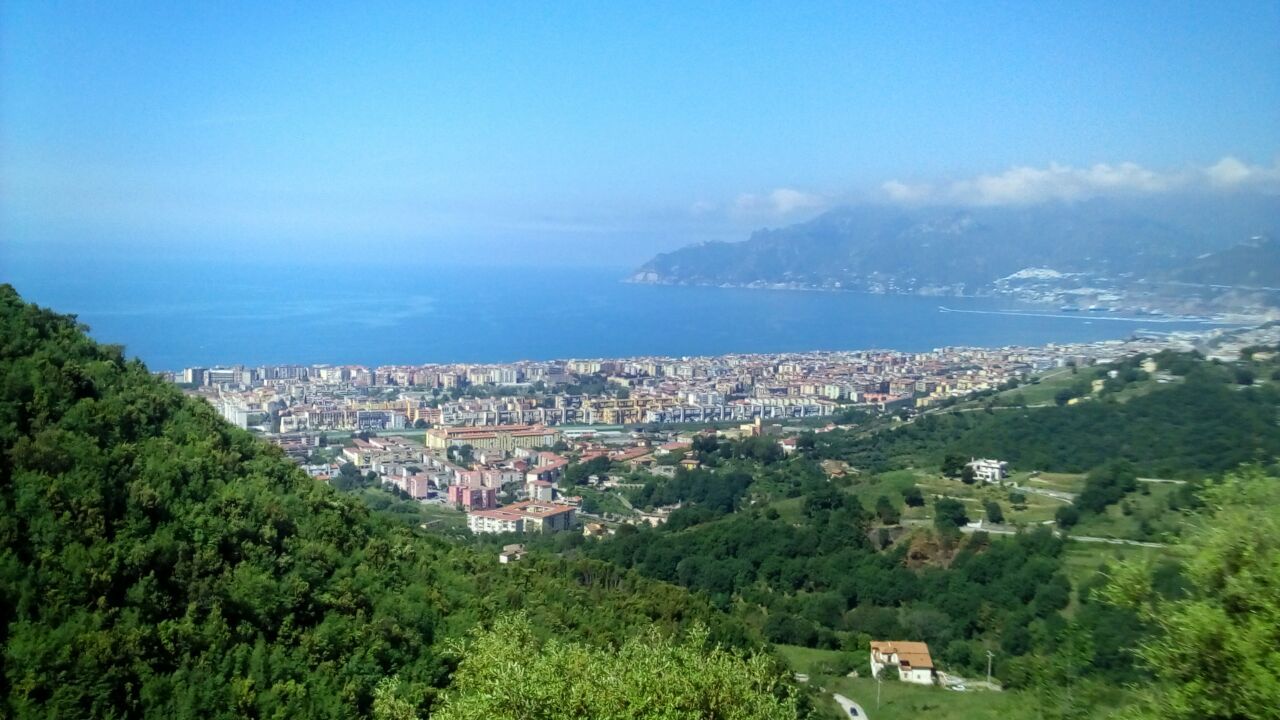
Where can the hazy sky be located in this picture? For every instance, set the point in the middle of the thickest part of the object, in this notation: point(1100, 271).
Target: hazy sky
point(598, 132)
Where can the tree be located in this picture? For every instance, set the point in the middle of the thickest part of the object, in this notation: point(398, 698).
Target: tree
point(886, 511)
point(967, 475)
point(994, 513)
point(1067, 516)
point(420, 424)
point(949, 514)
point(953, 465)
point(507, 673)
point(913, 497)
point(1213, 653)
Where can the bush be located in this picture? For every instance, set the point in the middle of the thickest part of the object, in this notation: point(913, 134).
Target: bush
point(1067, 517)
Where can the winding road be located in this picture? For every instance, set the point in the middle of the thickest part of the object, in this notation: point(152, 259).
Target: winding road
point(851, 708)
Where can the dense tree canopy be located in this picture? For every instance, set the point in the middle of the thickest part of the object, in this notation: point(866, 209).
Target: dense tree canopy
point(1216, 649)
point(508, 673)
point(1202, 425)
point(154, 560)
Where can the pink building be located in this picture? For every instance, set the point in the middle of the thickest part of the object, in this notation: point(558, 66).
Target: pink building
point(418, 486)
point(470, 498)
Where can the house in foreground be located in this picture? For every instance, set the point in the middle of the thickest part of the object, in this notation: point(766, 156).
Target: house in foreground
point(911, 659)
point(511, 553)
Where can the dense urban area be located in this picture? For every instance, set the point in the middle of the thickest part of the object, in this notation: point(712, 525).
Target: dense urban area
point(545, 446)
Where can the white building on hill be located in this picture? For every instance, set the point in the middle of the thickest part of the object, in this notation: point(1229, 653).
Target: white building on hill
point(911, 659)
point(991, 471)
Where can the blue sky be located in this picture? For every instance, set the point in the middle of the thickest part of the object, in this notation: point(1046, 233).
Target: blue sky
point(600, 132)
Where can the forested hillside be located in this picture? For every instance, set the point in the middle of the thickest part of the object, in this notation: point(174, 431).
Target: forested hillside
point(1210, 418)
point(158, 562)
point(829, 562)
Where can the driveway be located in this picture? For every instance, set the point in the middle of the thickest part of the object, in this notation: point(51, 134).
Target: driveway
point(846, 704)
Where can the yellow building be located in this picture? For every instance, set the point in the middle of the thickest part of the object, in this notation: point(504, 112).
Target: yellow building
point(502, 438)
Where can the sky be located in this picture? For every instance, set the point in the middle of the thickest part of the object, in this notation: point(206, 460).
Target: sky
point(596, 132)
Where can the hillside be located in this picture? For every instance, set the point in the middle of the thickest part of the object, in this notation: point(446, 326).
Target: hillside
point(820, 563)
point(1202, 421)
point(1251, 264)
point(946, 250)
point(158, 562)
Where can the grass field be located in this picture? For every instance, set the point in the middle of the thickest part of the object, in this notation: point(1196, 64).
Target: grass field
point(810, 660)
point(790, 509)
point(1062, 482)
point(1083, 561)
point(869, 488)
point(438, 519)
point(905, 701)
point(1143, 515)
point(1035, 510)
point(1043, 391)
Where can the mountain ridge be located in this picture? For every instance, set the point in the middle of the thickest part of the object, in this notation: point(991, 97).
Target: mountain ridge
point(950, 250)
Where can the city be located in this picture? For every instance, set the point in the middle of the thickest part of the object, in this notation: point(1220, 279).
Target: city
point(495, 441)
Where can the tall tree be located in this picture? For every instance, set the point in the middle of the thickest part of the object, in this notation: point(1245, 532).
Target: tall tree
point(1214, 654)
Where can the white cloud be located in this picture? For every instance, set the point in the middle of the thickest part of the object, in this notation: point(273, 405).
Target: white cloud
point(1230, 172)
point(777, 204)
point(1026, 185)
point(902, 192)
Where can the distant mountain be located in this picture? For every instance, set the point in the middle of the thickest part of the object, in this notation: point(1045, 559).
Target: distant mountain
point(947, 250)
point(1251, 264)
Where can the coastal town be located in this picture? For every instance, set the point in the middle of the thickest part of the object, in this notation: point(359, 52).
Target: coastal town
point(545, 446)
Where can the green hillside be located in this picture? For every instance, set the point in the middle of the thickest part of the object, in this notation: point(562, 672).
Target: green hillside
point(157, 562)
point(1208, 418)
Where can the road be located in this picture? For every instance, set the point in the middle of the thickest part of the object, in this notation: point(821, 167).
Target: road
point(1011, 530)
point(846, 704)
point(1117, 541)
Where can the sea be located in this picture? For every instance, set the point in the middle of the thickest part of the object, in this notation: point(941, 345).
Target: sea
point(174, 314)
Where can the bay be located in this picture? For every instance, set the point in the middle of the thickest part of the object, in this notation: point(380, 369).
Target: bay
point(373, 311)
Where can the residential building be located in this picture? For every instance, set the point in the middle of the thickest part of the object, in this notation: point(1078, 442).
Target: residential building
point(504, 438)
point(528, 516)
point(511, 553)
point(472, 498)
point(986, 470)
point(911, 660)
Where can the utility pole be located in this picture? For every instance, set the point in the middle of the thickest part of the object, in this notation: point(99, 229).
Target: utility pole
point(989, 657)
point(878, 689)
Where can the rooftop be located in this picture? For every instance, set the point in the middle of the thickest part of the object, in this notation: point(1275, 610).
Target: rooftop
point(914, 654)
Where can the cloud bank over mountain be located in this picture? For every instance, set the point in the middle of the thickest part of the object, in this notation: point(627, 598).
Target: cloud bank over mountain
point(1025, 185)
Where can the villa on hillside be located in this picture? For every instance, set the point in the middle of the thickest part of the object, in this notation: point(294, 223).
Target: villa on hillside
point(910, 658)
point(986, 470)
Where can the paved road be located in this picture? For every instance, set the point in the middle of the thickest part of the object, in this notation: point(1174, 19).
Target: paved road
point(1118, 541)
point(1009, 530)
point(848, 705)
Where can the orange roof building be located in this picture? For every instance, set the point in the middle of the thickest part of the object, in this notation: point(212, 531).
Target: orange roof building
point(912, 660)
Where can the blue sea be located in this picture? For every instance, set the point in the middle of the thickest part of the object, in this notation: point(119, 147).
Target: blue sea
point(173, 313)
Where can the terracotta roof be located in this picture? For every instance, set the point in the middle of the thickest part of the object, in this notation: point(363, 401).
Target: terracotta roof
point(914, 654)
point(526, 509)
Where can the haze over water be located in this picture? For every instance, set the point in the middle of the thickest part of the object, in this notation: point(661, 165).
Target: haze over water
point(176, 314)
